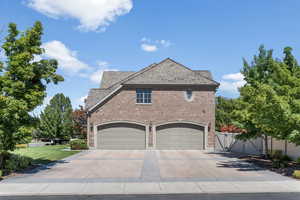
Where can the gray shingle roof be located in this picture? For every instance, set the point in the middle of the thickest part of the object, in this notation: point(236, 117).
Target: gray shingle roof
point(204, 73)
point(111, 77)
point(165, 72)
point(171, 72)
point(95, 95)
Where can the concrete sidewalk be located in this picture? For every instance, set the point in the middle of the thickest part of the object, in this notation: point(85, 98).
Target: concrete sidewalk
point(15, 189)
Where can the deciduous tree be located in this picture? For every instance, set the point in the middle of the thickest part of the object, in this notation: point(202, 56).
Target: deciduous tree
point(80, 123)
point(271, 97)
point(23, 82)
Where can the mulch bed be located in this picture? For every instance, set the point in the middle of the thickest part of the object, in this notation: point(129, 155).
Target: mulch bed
point(267, 164)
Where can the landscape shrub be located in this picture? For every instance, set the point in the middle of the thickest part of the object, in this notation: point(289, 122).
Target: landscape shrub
point(1, 174)
point(296, 174)
point(78, 144)
point(14, 162)
point(279, 160)
point(298, 160)
point(286, 158)
point(276, 155)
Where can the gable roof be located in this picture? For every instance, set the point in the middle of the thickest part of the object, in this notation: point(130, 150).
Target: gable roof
point(111, 77)
point(170, 72)
point(167, 72)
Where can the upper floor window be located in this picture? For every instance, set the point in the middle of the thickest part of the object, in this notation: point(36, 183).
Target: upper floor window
point(189, 95)
point(143, 96)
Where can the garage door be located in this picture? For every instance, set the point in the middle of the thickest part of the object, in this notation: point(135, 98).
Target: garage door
point(121, 136)
point(180, 136)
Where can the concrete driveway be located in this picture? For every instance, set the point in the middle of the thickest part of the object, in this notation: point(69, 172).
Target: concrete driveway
point(115, 172)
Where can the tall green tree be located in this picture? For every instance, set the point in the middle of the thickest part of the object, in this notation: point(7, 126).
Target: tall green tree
point(23, 82)
point(224, 111)
point(56, 120)
point(271, 97)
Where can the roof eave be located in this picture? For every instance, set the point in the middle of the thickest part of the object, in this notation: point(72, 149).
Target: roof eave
point(90, 110)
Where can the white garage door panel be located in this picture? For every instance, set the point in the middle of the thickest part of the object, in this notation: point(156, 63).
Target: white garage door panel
point(121, 136)
point(180, 136)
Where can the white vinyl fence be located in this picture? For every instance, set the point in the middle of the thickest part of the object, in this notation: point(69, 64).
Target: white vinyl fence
point(226, 142)
point(287, 148)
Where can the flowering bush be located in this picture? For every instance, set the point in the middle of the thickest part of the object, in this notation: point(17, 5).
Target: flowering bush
point(231, 129)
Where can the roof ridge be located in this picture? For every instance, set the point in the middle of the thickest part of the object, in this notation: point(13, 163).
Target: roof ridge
point(153, 66)
point(194, 71)
point(134, 75)
point(178, 64)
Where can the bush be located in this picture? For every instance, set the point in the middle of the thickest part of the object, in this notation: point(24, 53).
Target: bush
point(16, 162)
point(286, 158)
point(279, 160)
point(298, 160)
point(296, 174)
point(277, 154)
point(1, 174)
point(78, 144)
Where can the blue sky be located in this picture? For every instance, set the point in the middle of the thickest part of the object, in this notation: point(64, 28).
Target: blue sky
point(87, 37)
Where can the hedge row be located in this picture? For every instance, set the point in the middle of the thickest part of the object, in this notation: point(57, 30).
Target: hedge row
point(78, 144)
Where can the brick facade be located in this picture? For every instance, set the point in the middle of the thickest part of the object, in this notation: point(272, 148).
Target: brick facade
point(167, 105)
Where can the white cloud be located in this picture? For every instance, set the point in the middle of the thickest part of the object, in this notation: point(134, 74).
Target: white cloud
point(81, 101)
point(234, 77)
point(164, 43)
point(232, 82)
point(66, 58)
point(102, 63)
point(148, 47)
point(93, 15)
point(96, 76)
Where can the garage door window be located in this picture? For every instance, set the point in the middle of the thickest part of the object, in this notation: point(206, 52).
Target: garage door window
point(143, 96)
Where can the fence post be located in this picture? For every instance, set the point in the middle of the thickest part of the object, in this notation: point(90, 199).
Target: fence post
point(271, 145)
point(285, 147)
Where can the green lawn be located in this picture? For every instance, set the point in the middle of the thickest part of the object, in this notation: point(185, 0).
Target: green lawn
point(45, 154)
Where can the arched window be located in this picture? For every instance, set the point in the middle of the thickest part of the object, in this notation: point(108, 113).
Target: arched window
point(189, 95)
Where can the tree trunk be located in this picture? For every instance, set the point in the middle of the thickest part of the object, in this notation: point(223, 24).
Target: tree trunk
point(266, 146)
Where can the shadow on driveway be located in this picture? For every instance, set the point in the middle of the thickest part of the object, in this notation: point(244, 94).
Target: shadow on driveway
point(240, 165)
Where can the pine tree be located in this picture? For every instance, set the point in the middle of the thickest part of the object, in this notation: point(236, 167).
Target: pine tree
point(56, 120)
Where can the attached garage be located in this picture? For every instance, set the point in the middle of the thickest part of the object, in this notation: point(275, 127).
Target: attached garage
point(119, 136)
point(180, 136)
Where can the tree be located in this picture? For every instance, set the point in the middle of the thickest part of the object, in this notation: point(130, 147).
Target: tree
point(224, 112)
point(23, 82)
point(80, 123)
point(271, 98)
point(56, 120)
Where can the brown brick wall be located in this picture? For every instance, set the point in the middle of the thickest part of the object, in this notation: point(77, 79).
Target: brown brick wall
point(167, 105)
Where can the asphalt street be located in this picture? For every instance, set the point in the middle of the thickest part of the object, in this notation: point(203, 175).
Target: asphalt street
point(226, 196)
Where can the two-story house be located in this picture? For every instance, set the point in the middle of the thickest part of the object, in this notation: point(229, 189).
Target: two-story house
point(162, 106)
